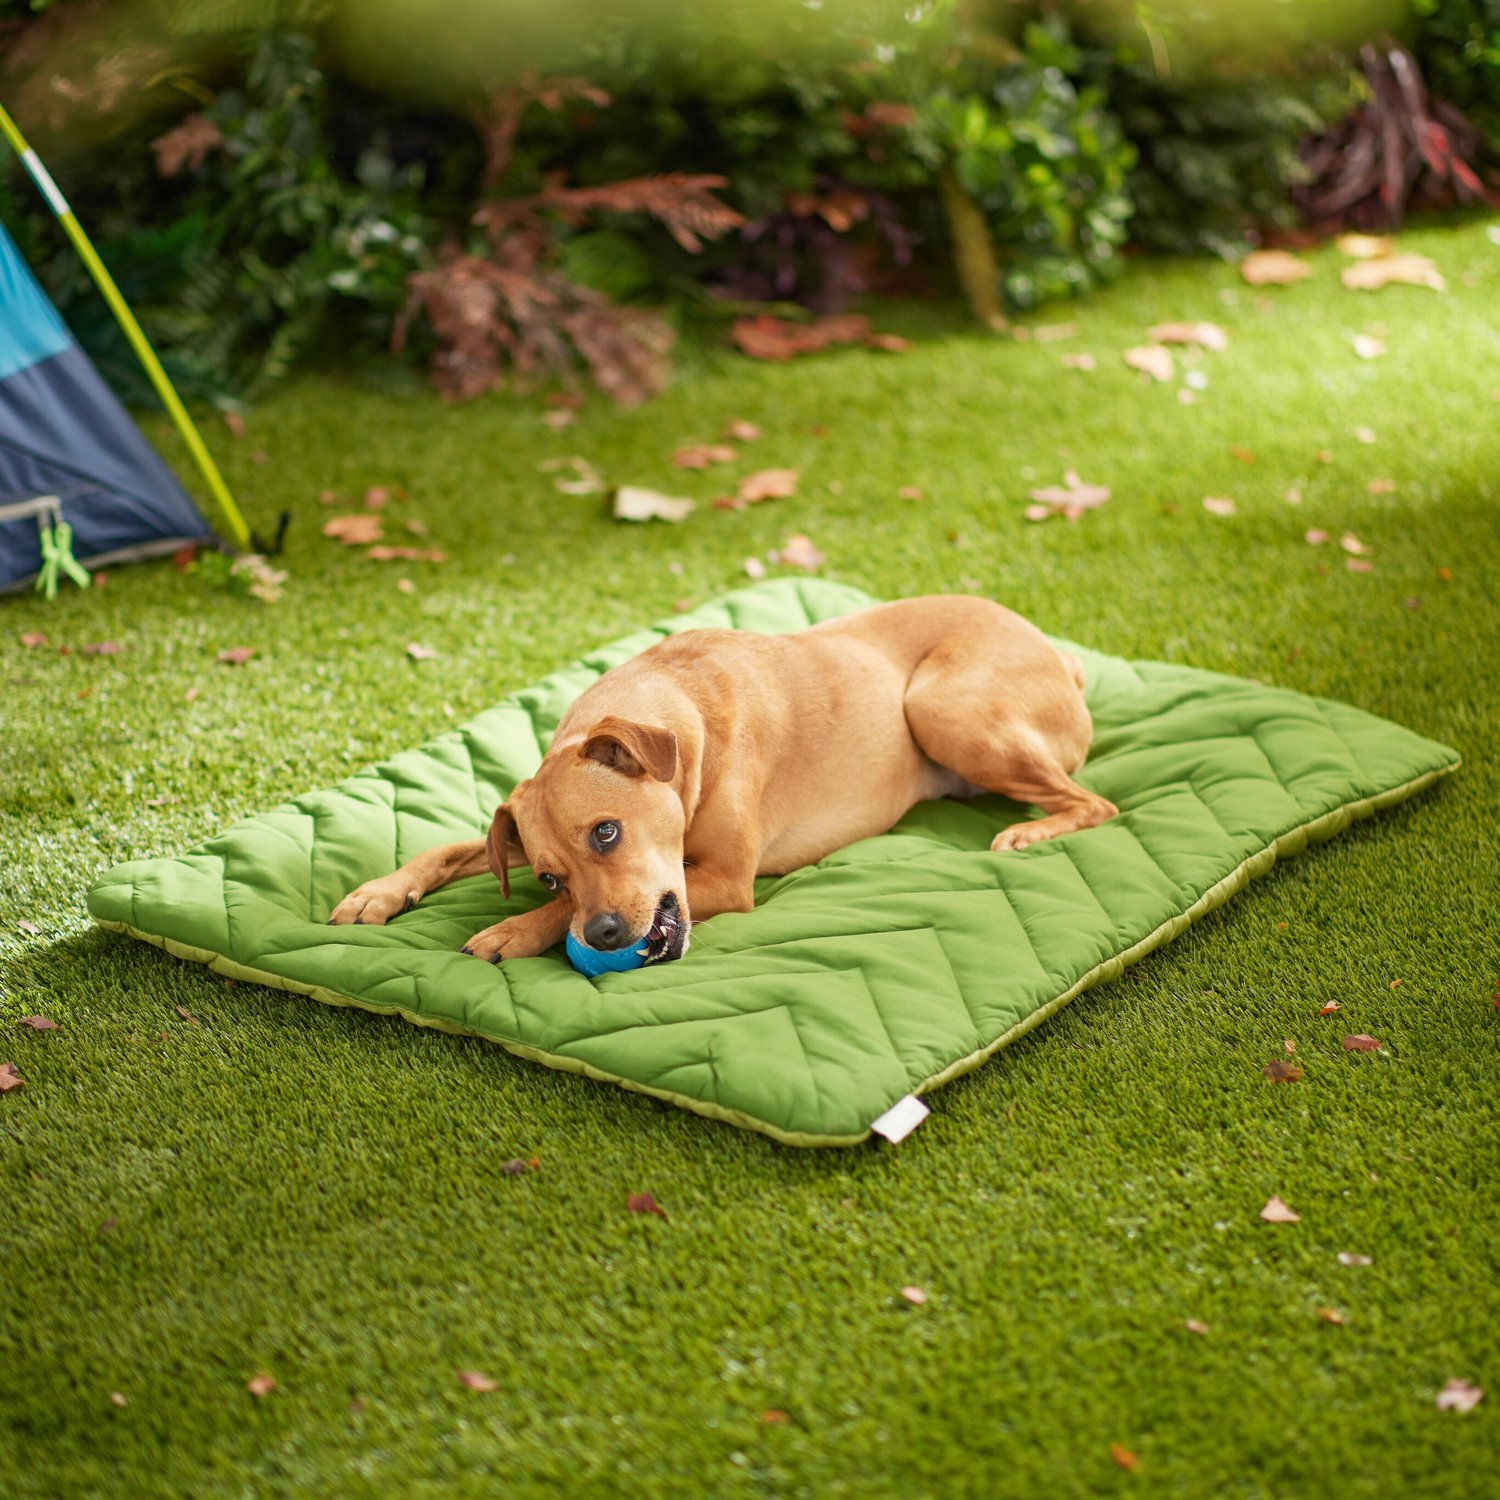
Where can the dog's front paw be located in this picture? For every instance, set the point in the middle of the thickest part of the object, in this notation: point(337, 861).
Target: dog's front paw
point(375, 902)
point(523, 936)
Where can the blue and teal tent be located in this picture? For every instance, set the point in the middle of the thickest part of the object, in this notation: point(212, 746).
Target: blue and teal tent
point(78, 482)
point(69, 454)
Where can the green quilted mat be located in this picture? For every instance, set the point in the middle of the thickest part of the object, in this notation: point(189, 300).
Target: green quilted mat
point(894, 965)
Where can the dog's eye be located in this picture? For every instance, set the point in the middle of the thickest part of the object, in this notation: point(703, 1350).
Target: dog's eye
point(606, 834)
point(551, 882)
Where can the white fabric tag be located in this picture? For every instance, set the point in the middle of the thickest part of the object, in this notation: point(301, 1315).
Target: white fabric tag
point(901, 1118)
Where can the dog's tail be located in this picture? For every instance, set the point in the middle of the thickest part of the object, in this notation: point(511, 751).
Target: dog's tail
point(1075, 669)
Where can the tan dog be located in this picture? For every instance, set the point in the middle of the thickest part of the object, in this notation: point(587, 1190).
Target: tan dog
point(720, 755)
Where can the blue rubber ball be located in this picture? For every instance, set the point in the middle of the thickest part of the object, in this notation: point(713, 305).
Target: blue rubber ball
point(595, 961)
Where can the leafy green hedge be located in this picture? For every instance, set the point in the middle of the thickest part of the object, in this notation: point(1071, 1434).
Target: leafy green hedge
point(263, 198)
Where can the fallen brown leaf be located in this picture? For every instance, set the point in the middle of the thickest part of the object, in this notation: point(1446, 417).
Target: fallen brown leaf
point(774, 1418)
point(1367, 347)
point(739, 431)
point(1154, 360)
point(1123, 1456)
point(1353, 1258)
point(754, 568)
point(914, 1294)
point(889, 343)
point(235, 656)
point(1281, 1071)
point(1276, 1212)
point(376, 497)
point(1273, 268)
point(37, 1023)
point(102, 648)
point(10, 1079)
point(1071, 499)
point(1244, 455)
point(1078, 361)
point(31, 639)
point(1330, 1315)
point(559, 418)
point(1381, 487)
point(118, 1398)
point(406, 554)
point(1361, 1043)
point(799, 552)
point(1364, 246)
point(27, 925)
point(191, 694)
point(1051, 333)
point(703, 455)
point(1289, 1046)
point(1352, 544)
point(768, 484)
point(1193, 1325)
point(766, 337)
point(514, 1167)
point(1218, 505)
point(633, 503)
point(1206, 335)
point(587, 480)
point(419, 652)
point(260, 1385)
point(911, 492)
point(1459, 1395)
point(644, 1203)
point(477, 1382)
point(235, 423)
point(355, 530)
point(1359, 565)
point(1329, 1009)
point(187, 1015)
point(1407, 268)
point(327, 497)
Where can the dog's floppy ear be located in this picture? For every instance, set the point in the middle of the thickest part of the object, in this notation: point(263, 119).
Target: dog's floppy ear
point(632, 749)
point(502, 834)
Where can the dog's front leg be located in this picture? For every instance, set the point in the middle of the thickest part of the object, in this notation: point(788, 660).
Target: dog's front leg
point(526, 935)
point(716, 888)
point(377, 901)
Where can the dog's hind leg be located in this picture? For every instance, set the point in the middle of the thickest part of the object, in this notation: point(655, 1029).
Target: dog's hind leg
point(1011, 721)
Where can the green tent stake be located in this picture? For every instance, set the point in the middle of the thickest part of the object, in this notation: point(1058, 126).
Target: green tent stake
point(57, 557)
point(239, 531)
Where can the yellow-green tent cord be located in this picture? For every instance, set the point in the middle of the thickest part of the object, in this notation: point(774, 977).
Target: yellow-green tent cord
point(238, 530)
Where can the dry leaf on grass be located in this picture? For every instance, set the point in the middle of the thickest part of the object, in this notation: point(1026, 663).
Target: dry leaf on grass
point(376, 497)
point(186, 1015)
point(1361, 1043)
point(1154, 360)
point(1406, 268)
point(888, 343)
point(235, 423)
point(559, 418)
point(1352, 544)
point(1071, 499)
point(767, 484)
point(754, 568)
point(1367, 347)
point(633, 503)
point(1329, 1009)
point(419, 652)
point(586, 480)
point(102, 648)
point(1281, 1071)
point(739, 431)
point(1123, 1456)
point(774, 1417)
point(1459, 1395)
point(914, 1294)
point(26, 925)
point(1352, 1258)
point(1276, 1212)
point(354, 530)
point(10, 1079)
point(1330, 1315)
point(37, 1023)
point(799, 552)
point(477, 1382)
point(31, 639)
point(704, 454)
point(1218, 505)
point(261, 1385)
point(118, 1398)
point(407, 554)
point(1205, 335)
point(766, 337)
point(1273, 268)
point(1078, 361)
point(1381, 487)
point(1364, 246)
point(1364, 434)
point(1359, 565)
point(644, 1203)
point(1193, 1325)
point(235, 656)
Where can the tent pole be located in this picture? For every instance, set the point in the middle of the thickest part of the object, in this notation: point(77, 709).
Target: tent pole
point(65, 216)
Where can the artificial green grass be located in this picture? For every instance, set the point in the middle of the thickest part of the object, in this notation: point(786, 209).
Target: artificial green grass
point(318, 1194)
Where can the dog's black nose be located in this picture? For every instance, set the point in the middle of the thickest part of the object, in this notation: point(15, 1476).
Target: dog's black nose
point(606, 931)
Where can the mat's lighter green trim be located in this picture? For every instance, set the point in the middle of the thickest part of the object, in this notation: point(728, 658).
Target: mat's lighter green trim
point(1292, 842)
